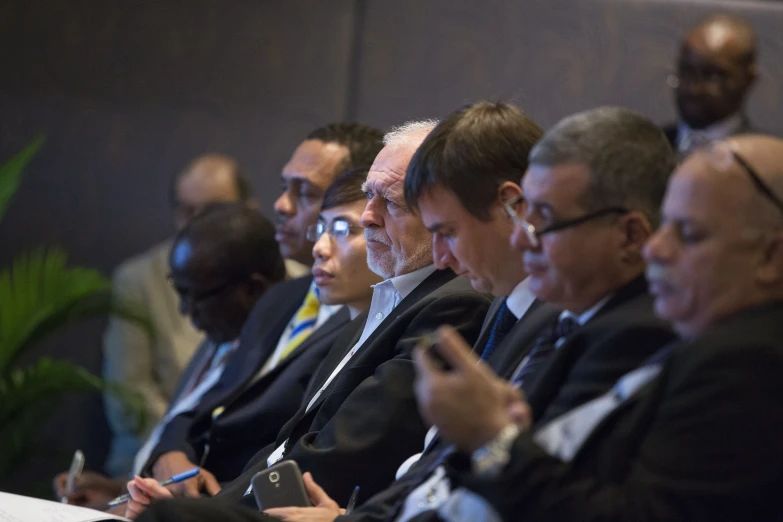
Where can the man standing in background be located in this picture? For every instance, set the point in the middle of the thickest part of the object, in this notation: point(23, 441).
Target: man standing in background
point(716, 69)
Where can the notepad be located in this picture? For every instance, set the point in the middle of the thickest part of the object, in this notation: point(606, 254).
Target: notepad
point(18, 508)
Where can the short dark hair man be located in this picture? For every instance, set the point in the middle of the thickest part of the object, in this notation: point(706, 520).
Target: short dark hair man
point(716, 69)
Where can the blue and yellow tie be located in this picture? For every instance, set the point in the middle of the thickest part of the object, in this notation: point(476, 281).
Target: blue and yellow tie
point(304, 322)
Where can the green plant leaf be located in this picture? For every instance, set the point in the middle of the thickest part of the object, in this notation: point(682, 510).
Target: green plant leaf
point(12, 170)
point(40, 294)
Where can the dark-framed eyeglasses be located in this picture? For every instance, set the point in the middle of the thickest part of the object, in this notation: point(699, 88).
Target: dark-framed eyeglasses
point(338, 229)
point(533, 234)
point(721, 155)
point(193, 299)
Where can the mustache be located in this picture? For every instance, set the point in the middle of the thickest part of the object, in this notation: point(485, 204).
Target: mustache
point(656, 272)
point(375, 234)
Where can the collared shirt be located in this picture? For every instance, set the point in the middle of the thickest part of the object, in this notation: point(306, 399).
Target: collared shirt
point(687, 137)
point(214, 365)
point(386, 295)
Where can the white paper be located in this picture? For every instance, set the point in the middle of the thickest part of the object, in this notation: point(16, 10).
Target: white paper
point(17, 508)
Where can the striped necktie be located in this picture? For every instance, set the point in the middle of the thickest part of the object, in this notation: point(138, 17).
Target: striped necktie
point(543, 348)
point(304, 322)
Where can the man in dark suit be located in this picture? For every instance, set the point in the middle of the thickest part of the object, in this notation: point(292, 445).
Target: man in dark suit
point(226, 431)
point(221, 263)
point(288, 316)
point(694, 433)
point(359, 419)
point(716, 70)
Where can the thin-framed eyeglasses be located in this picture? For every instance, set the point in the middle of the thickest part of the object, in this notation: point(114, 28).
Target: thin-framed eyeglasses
point(721, 156)
point(534, 234)
point(194, 299)
point(338, 229)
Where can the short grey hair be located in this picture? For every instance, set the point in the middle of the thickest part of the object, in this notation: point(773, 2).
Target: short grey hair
point(409, 134)
point(628, 157)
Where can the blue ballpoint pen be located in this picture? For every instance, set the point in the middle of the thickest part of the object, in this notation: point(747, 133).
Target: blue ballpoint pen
point(173, 480)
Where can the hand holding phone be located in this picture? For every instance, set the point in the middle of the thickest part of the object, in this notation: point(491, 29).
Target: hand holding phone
point(280, 485)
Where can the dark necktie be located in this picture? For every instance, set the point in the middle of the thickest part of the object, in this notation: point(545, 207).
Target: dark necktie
point(502, 324)
point(543, 348)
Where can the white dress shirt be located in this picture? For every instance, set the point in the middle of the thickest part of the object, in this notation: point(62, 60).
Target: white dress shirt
point(386, 295)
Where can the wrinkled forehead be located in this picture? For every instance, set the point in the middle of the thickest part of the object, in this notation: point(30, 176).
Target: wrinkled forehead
point(387, 175)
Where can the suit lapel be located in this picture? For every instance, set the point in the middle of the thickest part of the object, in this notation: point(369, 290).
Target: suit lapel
point(241, 370)
point(434, 281)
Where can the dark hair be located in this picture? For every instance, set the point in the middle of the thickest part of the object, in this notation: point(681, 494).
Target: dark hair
point(628, 156)
point(471, 153)
point(235, 240)
point(241, 179)
point(362, 141)
point(346, 188)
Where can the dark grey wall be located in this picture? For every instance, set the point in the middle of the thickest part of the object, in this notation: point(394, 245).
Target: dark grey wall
point(126, 92)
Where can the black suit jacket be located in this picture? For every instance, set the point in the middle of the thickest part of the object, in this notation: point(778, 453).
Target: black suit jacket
point(366, 422)
point(701, 442)
point(253, 412)
point(622, 334)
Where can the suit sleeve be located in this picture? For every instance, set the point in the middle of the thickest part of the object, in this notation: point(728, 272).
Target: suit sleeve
point(128, 361)
point(711, 452)
point(378, 425)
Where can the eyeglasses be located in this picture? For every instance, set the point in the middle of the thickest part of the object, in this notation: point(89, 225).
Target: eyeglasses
point(721, 156)
point(533, 234)
point(340, 228)
point(194, 299)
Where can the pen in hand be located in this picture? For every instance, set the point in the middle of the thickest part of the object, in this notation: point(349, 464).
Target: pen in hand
point(173, 480)
point(352, 501)
point(74, 473)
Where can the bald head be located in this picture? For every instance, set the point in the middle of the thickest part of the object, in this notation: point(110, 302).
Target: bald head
point(208, 179)
point(716, 69)
point(719, 249)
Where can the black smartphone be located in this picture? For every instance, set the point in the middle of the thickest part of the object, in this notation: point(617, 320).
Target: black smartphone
point(280, 486)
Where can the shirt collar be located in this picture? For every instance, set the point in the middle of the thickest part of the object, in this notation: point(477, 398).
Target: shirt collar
point(715, 132)
point(405, 283)
point(520, 299)
point(587, 314)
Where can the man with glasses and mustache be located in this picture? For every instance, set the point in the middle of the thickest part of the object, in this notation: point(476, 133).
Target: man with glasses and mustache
point(694, 433)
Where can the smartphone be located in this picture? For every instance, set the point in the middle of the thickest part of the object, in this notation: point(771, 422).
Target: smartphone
point(429, 343)
point(280, 486)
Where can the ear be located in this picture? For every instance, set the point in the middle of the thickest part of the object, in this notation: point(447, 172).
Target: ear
point(252, 203)
point(636, 230)
point(752, 73)
point(771, 264)
point(508, 190)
